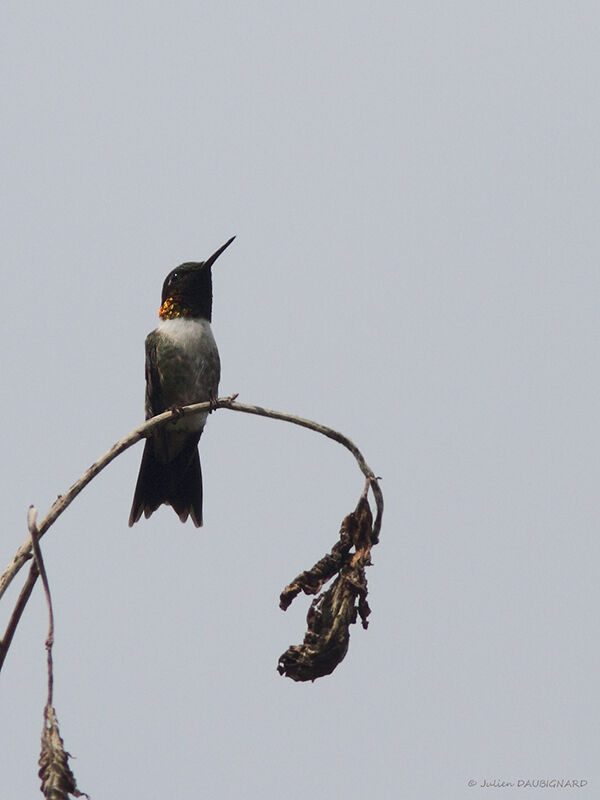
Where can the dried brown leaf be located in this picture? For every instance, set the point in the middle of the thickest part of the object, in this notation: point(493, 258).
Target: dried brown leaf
point(58, 782)
point(332, 612)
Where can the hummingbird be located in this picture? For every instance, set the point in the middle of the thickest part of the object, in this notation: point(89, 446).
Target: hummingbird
point(182, 367)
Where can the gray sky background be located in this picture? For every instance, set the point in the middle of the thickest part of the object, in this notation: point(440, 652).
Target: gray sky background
point(414, 190)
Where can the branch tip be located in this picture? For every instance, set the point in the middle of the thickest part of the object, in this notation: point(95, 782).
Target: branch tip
point(32, 514)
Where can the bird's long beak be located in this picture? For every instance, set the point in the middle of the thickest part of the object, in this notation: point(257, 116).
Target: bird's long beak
point(210, 261)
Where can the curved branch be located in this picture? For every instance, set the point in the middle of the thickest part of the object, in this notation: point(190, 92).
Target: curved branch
point(330, 433)
point(62, 502)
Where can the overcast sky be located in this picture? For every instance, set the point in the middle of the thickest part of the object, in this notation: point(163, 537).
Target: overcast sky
point(414, 191)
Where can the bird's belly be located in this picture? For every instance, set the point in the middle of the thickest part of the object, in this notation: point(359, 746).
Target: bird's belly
point(188, 367)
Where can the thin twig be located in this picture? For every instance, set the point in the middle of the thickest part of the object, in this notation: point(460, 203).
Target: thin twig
point(62, 502)
point(15, 617)
point(330, 433)
point(37, 554)
point(58, 781)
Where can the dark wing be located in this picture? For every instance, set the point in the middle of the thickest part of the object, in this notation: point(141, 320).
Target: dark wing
point(154, 399)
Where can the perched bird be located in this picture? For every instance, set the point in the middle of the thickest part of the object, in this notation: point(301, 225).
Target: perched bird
point(182, 367)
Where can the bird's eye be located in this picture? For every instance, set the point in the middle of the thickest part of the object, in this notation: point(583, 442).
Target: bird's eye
point(174, 277)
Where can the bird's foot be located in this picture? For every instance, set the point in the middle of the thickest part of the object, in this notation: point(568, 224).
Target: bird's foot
point(177, 412)
point(227, 401)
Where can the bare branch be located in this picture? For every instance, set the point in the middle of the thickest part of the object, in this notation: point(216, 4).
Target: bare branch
point(62, 502)
point(23, 554)
point(15, 617)
point(330, 433)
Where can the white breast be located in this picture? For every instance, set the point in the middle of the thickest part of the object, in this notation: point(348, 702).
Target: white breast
point(186, 332)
